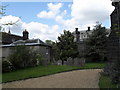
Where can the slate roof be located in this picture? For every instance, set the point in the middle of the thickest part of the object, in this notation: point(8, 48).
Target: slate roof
point(29, 42)
point(7, 38)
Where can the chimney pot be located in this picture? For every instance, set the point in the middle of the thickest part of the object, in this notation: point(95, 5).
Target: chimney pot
point(76, 29)
point(88, 28)
point(25, 35)
point(77, 34)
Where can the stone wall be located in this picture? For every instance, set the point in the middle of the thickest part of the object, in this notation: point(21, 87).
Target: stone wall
point(43, 50)
point(114, 38)
point(72, 62)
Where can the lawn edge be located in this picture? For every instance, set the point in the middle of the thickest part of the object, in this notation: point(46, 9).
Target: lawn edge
point(48, 75)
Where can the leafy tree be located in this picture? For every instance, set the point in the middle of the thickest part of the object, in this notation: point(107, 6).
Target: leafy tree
point(96, 44)
point(66, 46)
point(56, 51)
point(49, 42)
point(0, 28)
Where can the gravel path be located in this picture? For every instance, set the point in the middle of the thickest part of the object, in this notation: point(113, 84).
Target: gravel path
point(74, 79)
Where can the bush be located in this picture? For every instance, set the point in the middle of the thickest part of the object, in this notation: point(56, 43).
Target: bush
point(6, 66)
point(39, 59)
point(113, 71)
point(114, 74)
point(23, 57)
point(105, 82)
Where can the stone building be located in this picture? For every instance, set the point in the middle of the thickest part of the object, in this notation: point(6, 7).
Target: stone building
point(9, 41)
point(114, 37)
point(80, 37)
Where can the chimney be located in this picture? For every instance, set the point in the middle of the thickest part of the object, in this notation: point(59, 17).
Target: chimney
point(88, 28)
point(76, 29)
point(9, 32)
point(77, 35)
point(25, 35)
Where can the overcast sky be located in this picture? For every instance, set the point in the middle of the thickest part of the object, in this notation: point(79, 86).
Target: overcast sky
point(46, 20)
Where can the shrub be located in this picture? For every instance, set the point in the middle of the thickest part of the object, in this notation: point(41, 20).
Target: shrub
point(23, 57)
point(6, 66)
point(113, 70)
point(39, 59)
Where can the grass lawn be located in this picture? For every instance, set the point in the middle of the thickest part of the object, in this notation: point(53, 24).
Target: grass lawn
point(105, 82)
point(0, 77)
point(45, 70)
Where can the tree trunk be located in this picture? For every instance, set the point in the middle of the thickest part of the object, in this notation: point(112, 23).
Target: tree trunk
point(62, 62)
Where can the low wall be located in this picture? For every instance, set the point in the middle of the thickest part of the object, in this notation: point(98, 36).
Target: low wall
point(43, 50)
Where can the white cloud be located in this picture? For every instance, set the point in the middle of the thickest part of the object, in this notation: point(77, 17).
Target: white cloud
point(42, 31)
point(84, 13)
point(15, 28)
point(69, 5)
point(54, 9)
point(91, 10)
point(35, 29)
point(8, 19)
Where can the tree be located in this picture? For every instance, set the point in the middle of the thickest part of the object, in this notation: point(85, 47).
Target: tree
point(66, 46)
point(2, 8)
point(49, 42)
point(2, 13)
point(0, 28)
point(96, 44)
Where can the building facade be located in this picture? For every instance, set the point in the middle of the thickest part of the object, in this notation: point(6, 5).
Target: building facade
point(9, 41)
point(80, 37)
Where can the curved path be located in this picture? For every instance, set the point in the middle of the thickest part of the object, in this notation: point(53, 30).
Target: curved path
point(74, 79)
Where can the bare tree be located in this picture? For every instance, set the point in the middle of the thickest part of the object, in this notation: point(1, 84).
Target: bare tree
point(2, 13)
point(2, 8)
point(11, 23)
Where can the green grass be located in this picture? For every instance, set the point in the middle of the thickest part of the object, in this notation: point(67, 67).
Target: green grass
point(44, 70)
point(105, 82)
point(0, 77)
point(93, 66)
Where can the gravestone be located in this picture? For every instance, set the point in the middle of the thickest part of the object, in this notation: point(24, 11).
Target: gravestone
point(70, 61)
point(65, 62)
point(59, 62)
point(79, 62)
point(44, 62)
